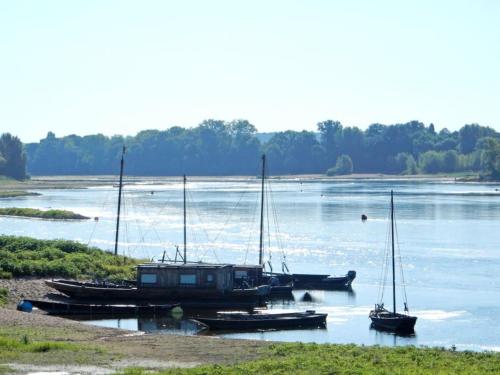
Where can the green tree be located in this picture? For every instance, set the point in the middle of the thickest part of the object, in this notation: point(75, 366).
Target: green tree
point(450, 161)
point(431, 162)
point(411, 165)
point(470, 134)
point(343, 166)
point(12, 152)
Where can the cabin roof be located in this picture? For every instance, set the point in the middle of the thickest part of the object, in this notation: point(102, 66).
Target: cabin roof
point(184, 265)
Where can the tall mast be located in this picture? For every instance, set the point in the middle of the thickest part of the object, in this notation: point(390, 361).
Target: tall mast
point(185, 234)
point(119, 202)
point(261, 245)
point(393, 263)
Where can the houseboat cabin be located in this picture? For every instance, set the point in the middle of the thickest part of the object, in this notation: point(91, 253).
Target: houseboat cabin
point(180, 281)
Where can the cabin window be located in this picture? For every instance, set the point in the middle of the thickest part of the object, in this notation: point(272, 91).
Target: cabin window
point(187, 279)
point(148, 278)
point(210, 278)
point(240, 274)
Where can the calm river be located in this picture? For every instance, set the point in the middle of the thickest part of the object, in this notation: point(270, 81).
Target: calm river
point(449, 236)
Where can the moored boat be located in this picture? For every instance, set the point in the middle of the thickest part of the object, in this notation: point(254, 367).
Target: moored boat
point(314, 281)
point(392, 320)
point(243, 321)
point(72, 308)
point(196, 283)
point(286, 281)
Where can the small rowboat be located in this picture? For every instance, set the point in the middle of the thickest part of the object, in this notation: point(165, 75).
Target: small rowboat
point(245, 321)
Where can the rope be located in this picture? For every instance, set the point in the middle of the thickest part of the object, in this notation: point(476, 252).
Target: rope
point(403, 283)
point(100, 214)
point(253, 223)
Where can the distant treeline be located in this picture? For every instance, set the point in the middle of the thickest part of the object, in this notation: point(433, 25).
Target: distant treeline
point(217, 147)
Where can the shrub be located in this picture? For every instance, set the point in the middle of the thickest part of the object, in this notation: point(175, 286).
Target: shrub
point(343, 166)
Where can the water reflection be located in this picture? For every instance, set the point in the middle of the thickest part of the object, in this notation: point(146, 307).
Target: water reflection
point(161, 325)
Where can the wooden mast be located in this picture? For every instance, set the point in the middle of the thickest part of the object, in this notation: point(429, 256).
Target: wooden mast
point(119, 202)
point(185, 231)
point(393, 262)
point(261, 244)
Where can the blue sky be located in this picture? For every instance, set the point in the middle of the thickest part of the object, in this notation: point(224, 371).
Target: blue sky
point(117, 67)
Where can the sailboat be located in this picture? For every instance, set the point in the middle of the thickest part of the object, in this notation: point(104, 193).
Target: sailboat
point(194, 284)
point(392, 320)
point(298, 280)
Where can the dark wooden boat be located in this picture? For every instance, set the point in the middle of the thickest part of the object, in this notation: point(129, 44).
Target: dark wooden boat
point(192, 283)
point(71, 308)
point(314, 281)
point(388, 320)
point(392, 320)
point(244, 322)
point(285, 282)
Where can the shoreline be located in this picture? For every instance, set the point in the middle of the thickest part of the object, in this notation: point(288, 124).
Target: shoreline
point(86, 181)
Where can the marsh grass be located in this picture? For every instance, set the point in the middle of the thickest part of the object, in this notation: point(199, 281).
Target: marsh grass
point(300, 358)
point(40, 214)
point(17, 193)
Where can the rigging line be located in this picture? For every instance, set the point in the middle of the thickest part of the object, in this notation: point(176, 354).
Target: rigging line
point(401, 265)
point(198, 215)
point(276, 223)
point(252, 225)
point(141, 232)
point(135, 213)
point(155, 222)
point(385, 264)
point(194, 234)
point(100, 214)
point(268, 225)
point(125, 222)
point(202, 225)
point(232, 211)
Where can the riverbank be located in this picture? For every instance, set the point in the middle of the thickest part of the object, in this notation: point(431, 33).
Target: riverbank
point(81, 182)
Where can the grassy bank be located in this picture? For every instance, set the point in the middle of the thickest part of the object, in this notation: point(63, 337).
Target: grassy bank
point(40, 214)
point(17, 193)
point(23, 345)
point(300, 358)
point(25, 256)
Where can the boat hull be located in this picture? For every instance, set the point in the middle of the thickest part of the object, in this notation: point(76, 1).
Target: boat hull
point(69, 308)
point(266, 321)
point(399, 323)
point(191, 296)
point(315, 281)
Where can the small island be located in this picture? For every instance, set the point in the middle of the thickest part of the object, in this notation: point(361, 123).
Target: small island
point(40, 214)
point(17, 193)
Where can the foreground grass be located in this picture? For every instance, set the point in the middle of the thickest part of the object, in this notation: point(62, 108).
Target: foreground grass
point(49, 214)
point(25, 256)
point(19, 345)
point(17, 193)
point(300, 358)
